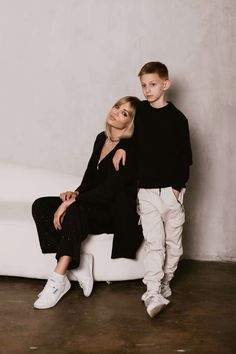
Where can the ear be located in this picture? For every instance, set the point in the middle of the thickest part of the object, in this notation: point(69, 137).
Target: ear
point(167, 84)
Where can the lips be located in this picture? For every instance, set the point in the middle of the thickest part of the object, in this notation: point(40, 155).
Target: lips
point(112, 117)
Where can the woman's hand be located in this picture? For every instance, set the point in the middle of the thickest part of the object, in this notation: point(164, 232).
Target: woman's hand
point(60, 213)
point(68, 195)
point(120, 155)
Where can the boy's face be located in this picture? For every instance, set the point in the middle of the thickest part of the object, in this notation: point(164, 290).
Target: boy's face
point(154, 87)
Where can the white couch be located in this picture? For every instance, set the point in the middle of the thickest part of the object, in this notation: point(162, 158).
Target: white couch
point(20, 253)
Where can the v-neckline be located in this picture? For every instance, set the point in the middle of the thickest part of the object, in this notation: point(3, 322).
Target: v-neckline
point(99, 161)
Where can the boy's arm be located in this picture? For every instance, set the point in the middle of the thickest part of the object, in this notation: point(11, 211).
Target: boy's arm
point(120, 156)
point(184, 157)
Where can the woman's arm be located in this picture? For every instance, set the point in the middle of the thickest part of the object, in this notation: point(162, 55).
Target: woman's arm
point(88, 177)
point(61, 212)
point(68, 195)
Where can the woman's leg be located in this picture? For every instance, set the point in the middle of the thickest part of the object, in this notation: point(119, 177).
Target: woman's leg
point(97, 222)
point(78, 222)
point(66, 243)
point(58, 284)
point(43, 210)
point(62, 265)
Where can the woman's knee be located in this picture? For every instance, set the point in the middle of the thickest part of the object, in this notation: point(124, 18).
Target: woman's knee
point(37, 206)
point(42, 204)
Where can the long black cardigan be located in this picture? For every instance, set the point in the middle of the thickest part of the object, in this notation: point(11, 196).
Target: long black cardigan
point(103, 186)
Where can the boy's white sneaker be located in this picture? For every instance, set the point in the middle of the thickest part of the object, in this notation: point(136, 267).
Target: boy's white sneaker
point(165, 289)
point(155, 303)
point(84, 274)
point(52, 293)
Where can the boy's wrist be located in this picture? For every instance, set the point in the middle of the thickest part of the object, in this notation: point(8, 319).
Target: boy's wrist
point(177, 188)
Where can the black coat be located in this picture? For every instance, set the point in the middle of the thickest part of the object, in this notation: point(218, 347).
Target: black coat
point(103, 187)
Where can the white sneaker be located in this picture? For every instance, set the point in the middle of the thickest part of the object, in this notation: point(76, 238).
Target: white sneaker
point(84, 274)
point(52, 293)
point(165, 289)
point(155, 303)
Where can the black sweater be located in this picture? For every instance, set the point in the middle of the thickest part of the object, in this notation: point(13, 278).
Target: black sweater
point(102, 186)
point(163, 146)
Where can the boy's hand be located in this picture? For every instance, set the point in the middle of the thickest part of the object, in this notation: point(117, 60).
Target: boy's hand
point(176, 193)
point(120, 155)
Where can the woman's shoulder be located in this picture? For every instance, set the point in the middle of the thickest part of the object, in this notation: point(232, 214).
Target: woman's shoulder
point(100, 137)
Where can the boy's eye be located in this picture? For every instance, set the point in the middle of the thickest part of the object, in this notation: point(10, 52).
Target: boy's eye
point(153, 84)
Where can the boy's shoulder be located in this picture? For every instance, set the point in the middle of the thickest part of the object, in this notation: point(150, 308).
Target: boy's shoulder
point(143, 104)
point(176, 111)
point(170, 109)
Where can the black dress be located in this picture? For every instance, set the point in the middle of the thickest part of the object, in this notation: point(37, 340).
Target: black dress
point(106, 204)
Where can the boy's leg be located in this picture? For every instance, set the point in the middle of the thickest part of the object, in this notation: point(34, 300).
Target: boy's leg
point(154, 235)
point(174, 220)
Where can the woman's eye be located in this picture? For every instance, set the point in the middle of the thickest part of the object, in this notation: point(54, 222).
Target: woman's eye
point(125, 114)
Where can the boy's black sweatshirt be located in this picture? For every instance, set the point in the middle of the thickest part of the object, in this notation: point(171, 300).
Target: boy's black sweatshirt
point(163, 146)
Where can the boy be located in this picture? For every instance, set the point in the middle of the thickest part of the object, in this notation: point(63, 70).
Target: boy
point(164, 156)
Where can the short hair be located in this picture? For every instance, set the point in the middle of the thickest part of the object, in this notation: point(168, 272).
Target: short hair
point(133, 101)
point(155, 67)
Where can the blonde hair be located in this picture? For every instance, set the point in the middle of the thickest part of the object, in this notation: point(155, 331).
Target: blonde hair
point(133, 101)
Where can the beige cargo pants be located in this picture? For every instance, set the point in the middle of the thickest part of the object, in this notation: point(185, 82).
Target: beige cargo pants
point(162, 217)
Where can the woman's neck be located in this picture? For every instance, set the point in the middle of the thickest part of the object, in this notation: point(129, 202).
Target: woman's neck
point(115, 135)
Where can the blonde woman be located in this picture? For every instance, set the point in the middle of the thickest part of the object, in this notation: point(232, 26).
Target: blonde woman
point(105, 202)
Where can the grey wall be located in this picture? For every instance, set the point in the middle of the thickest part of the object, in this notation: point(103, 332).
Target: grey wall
point(64, 62)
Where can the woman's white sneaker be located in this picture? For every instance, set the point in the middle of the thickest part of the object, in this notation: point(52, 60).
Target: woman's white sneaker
point(84, 274)
point(52, 293)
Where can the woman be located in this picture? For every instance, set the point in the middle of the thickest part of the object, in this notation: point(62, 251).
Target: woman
point(105, 202)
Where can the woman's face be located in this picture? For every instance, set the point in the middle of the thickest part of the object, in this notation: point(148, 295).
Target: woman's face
point(120, 116)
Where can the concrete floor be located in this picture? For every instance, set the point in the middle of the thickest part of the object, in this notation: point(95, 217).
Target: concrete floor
point(201, 318)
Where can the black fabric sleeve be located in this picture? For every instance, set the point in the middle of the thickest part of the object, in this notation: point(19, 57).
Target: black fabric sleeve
point(183, 156)
point(88, 175)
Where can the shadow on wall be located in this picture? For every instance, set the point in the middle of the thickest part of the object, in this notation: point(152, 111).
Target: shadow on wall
point(192, 200)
